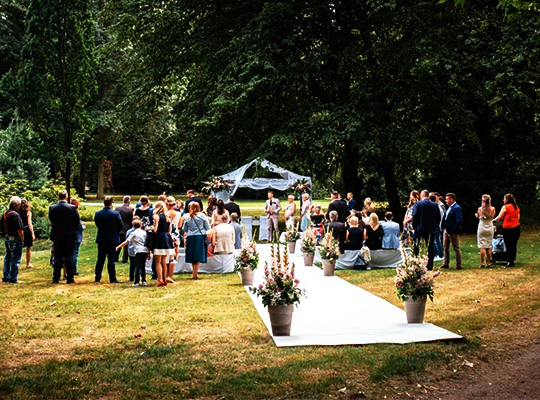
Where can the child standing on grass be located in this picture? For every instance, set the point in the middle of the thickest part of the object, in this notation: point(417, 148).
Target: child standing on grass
point(136, 238)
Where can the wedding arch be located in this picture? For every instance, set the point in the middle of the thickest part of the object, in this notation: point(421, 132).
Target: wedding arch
point(288, 178)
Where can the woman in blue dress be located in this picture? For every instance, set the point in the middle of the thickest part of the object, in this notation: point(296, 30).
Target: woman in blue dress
point(163, 243)
point(195, 225)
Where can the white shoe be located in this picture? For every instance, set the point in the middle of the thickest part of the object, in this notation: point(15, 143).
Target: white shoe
point(135, 284)
point(143, 283)
point(437, 258)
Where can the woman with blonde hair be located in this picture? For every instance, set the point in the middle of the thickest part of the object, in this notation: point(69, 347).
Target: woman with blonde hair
point(163, 243)
point(195, 225)
point(373, 233)
point(484, 235)
point(304, 212)
point(176, 221)
point(355, 235)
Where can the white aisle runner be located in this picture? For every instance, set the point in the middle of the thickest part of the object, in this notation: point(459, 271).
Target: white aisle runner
point(336, 312)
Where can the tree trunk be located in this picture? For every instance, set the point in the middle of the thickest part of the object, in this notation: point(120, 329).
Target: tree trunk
point(83, 167)
point(392, 193)
point(349, 170)
point(101, 181)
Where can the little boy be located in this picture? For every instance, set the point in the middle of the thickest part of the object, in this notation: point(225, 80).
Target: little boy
point(136, 238)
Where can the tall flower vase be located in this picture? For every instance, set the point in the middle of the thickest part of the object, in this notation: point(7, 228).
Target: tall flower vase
point(247, 276)
point(328, 267)
point(291, 247)
point(281, 319)
point(308, 259)
point(415, 309)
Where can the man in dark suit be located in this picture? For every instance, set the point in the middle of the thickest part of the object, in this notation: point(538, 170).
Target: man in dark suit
point(339, 205)
point(426, 218)
point(452, 229)
point(191, 198)
point(232, 207)
point(65, 220)
point(126, 213)
point(109, 224)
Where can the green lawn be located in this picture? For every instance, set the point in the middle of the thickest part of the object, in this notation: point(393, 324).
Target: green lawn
point(204, 339)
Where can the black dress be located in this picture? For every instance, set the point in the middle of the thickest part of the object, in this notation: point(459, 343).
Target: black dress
point(356, 238)
point(163, 244)
point(147, 220)
point(28, 241)
point(374, 237)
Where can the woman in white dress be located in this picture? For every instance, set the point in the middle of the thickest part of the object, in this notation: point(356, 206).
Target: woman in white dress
point(290, 212)
point(484, 236)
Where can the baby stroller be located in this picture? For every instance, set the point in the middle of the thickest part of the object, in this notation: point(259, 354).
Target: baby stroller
point(498, 252)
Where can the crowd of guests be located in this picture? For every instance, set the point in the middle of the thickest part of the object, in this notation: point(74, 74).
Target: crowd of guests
point(158, 231)
point(351, 227)
point(430, 218)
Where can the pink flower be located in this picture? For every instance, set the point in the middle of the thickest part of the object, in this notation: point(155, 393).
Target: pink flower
point(296, 281)
point(271, 280)
point(261, 286)
point(245, 259)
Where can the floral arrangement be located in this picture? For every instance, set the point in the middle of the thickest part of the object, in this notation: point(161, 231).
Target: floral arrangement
point(280, 287)
point(218, 184)
point(248, 258)
point(412, 278)
point(329, 247)
point(309, 242)
point(301, 186)
point(292, 234)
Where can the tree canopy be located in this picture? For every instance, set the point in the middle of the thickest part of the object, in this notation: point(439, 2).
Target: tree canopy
point(376, 98)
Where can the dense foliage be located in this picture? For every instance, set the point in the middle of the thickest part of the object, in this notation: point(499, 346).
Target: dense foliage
point(376, 98)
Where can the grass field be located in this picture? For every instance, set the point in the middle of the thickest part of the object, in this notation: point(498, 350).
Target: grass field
point(204, 339)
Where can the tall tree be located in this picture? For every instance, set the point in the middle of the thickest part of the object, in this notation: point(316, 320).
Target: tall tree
point(57, 77)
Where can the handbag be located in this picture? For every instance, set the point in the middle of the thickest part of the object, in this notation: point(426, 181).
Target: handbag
point(365, 253)
point(149, 242)
point(206, 241)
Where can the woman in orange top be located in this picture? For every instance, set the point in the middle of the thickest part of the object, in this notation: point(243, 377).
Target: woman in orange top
point(511, 231)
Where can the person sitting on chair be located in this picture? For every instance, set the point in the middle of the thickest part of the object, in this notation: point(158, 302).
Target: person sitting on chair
point(391, 232)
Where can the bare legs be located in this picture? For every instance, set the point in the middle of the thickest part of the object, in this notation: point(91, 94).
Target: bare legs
point(161, 269)
point(195, 267)
point(28, 257)
point(169, 270)
point(485, 255)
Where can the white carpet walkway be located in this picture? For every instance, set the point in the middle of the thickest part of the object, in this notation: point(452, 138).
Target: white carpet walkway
point(336, 312)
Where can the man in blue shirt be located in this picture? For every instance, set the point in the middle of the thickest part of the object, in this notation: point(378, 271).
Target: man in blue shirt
point(391, 232)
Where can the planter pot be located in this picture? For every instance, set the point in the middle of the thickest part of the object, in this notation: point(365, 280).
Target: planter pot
point(280, 319)
point(415, 310)
point(247, 277)
point(329, 267)
point(291, 247)
point(308, 259)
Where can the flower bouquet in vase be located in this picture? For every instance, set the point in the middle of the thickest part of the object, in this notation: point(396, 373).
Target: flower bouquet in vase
point(280, 291)
point(329, 252)
point(414, 285)
point(309, 242)
point(247, 260)
point(291, 236)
